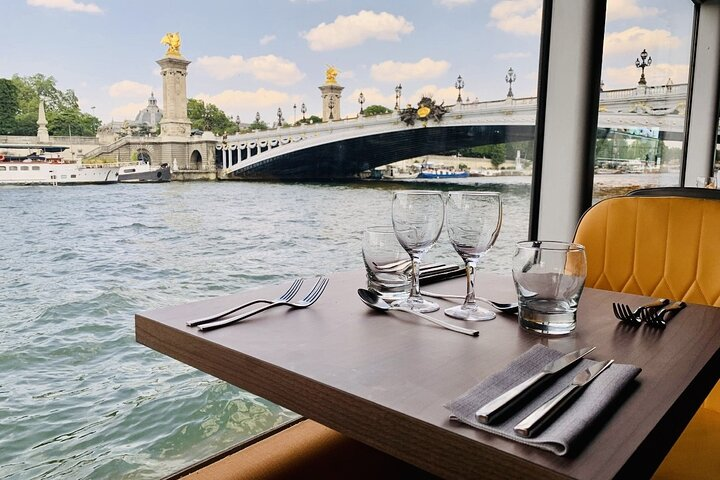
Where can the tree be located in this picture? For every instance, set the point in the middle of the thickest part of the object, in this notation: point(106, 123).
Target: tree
point(9, 106)
point(376, 110)
point(209, 118)
point(258, 125)
point(312, 119)
point(72, 122)
point(62, 108)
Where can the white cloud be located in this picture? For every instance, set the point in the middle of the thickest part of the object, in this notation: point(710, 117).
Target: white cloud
point(67, 5)
point(628, 40)
point(374, 96)
point(454, 3)
point(127, 112)
point(353, 30)
point(128, 88)
point(232, 101)
point(520, 17)
point(624, 9)
point(510, 55)
point(440, 95)
point(268, 68)
point(267, 39)
point(390, 71)
point(657, 74)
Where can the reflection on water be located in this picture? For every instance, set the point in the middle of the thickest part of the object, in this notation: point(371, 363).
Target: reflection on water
point(79, 398)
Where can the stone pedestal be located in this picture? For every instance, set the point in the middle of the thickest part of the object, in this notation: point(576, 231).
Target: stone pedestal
point(175, 122)
point(333, 92)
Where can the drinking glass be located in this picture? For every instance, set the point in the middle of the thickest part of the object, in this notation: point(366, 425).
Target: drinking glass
point(549, 278)
point(387, 264)
point(417, 217)
point(473, 221)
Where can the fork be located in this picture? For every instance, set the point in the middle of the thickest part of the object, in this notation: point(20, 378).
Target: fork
point(627, 315)
point(659, 319)
point(287, 296)
point(309, 299)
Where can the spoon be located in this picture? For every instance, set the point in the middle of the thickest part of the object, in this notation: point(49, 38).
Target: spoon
point(372, 300)
point(502, 307)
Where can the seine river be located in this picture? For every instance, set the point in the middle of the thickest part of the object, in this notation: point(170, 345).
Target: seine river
point(79, 398)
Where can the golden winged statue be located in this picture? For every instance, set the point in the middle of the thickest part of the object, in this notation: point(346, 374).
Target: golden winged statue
point(330, 75)
point(172, 40)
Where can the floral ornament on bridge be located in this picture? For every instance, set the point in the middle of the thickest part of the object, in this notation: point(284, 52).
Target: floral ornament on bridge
point(427, 109)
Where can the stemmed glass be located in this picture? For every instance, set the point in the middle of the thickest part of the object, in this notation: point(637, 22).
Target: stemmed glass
point(417, 217)
point(473, 221)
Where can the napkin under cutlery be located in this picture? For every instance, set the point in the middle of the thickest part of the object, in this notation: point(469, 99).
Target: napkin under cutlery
point(571, 426)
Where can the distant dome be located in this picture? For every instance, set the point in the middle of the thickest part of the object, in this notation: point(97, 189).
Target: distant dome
point(150, 115)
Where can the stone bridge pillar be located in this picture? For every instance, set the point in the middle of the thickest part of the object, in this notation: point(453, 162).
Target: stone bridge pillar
point(331, 94)
point(175, 122)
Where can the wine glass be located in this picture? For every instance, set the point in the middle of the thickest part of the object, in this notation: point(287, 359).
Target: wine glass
point(417, 217)
point(473, 221)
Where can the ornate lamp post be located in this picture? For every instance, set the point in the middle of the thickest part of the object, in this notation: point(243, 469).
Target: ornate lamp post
point(280, 117)
point(510, 77)
point(459, 84)
point(361, 100)
point(646, 62)
point(237, 121)
point(257, 117)
point(331, 105)
point(294, 113)
point(398, 92)
point(303, 110)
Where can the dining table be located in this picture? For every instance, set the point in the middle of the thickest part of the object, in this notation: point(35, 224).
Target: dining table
point(383, 378)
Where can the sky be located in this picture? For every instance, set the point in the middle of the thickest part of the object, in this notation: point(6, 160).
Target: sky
point(251, 56)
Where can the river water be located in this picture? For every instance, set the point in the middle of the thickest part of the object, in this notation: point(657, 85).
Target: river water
point(79, 398)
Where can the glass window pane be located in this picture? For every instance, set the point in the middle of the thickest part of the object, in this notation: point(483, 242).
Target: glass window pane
point(644, 95)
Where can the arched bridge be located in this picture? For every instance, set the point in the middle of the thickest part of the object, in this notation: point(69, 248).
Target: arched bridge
point(341, 149)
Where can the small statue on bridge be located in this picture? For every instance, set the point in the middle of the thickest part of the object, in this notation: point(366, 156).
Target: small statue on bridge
point(172, 40)
point(427, 109)
point(331, 75)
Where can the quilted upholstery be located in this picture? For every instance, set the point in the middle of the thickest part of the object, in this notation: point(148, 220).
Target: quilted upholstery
point(658, 247)
point(663, 247)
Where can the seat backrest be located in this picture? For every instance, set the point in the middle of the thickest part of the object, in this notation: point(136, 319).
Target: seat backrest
point(666, 246)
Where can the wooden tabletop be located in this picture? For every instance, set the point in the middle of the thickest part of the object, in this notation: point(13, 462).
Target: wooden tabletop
point(382, 378)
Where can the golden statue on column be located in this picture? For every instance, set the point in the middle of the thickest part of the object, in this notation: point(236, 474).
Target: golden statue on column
point(331, 75)
point(172, 40)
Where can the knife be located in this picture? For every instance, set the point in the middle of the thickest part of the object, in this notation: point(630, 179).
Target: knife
point(488, 412)
point(532, 424)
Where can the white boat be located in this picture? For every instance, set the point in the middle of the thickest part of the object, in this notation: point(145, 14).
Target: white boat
point(39, 171)
point(143, 172)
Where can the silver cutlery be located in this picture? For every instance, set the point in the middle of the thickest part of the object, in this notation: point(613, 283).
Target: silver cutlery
point(372, 300)
point(659, 319)
point(534, 422)
point(494, 408)
point(309, 299)
point(625, 314)
point(287, 296)
point(502, 307)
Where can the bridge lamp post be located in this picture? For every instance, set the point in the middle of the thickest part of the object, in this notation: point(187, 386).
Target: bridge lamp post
point(237, 122)
point(294, 113)
point(459, 84)
point(361, 100)
point(280, 118)
point(331, 105)
point(398, 93)
point(303, 110)
point(257, 117)
point(646, 62)
point(510, 77)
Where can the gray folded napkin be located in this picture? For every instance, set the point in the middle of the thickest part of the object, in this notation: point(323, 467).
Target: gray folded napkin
point(570, 426)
